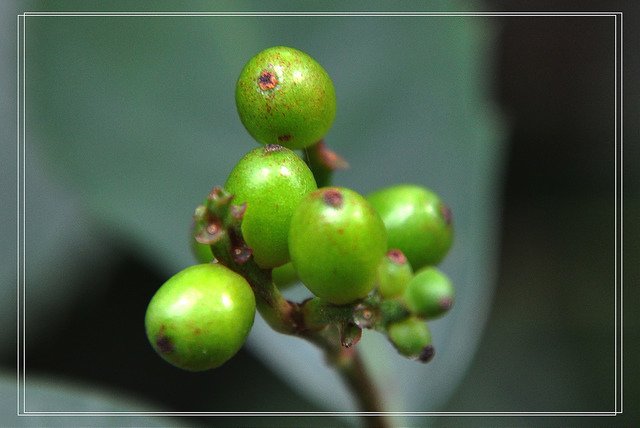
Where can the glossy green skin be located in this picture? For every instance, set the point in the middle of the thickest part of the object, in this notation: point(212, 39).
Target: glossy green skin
point(393, 277)
point(300, 107)
point(200, 317)
point(417, 223)
point(409, 336)
point(271, 180)
point(337, 250)
point(430, 294)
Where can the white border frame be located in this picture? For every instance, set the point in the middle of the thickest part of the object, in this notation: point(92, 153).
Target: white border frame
point(21, 197)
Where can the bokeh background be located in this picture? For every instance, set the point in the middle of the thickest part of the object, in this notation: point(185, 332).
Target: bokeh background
point(131, 120)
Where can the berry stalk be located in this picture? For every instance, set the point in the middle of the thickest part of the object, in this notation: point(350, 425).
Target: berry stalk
point(323, 161)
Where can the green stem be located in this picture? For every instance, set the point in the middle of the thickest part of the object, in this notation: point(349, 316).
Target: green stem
point(287, 317)
point(279, 313)
point(354, 373)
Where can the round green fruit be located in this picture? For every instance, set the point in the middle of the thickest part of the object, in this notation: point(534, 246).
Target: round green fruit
point(337, 242)
point(285, 97)
point(394, 273)
point(271, 180)
point(200, 317)
point(430, 293)
point(412, 338)
point(417, 222)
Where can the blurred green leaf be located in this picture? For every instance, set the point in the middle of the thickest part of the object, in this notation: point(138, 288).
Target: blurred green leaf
point(58, 395)
point(136, 116)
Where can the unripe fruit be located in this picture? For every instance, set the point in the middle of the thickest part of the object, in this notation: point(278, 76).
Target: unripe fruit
point(417, 222)
point(411, 337)
point(394, 273)
point(200, 317)
point(285, 97)
point(271, 180)
point(430, 293)
point(337, 242)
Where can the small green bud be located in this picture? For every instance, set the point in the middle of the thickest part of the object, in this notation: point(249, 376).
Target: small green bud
point(411, 337)
point(394, 273)
point(430, 293)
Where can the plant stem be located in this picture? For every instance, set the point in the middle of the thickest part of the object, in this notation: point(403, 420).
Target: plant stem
point(355, 375)
point(286, 317)
point(278, 312)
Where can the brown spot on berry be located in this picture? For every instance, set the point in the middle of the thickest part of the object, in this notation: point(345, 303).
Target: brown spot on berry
point(284, 138)
point(333, 198)
point(267, 80)
point(164, 344)
point(396, 256)
point(427, 354)
point(445, 211)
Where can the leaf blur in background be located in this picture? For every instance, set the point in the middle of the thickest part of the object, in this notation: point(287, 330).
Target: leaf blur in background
point(129, 122)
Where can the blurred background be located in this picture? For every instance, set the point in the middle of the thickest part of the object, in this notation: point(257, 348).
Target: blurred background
point(129, 121)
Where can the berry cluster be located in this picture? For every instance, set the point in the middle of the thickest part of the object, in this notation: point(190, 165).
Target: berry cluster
point(369, 261)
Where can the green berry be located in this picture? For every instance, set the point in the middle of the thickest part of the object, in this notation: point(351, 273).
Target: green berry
point(284, 276)
point(394, 273)
point(337, 242)
point(411, 337)
point(430, 293)
point(200, 317)
point(417, 222)
point(285, 97)
point(271, 180)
